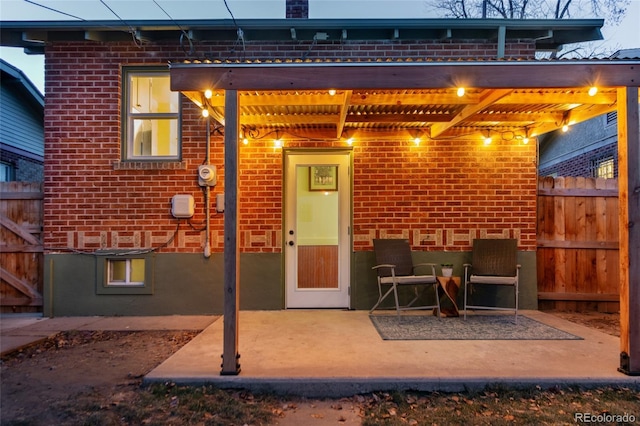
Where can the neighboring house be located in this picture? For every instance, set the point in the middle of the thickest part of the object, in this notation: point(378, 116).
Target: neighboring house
point(321, 136)
point(21, 127)
point(587, 149)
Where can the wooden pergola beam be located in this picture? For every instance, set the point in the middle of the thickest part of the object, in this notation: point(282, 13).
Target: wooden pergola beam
point(629, 205)
point(487, 98)
point(230, 355)
point(402, 76)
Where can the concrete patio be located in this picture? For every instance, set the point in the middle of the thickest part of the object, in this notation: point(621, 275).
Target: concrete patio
point(332, 353)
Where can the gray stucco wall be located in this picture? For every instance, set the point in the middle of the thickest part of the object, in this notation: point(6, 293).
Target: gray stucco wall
point(183, 284)
point(189, 284)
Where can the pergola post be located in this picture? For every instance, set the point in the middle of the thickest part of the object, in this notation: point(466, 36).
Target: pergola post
point(629, 205)
point(230, 355)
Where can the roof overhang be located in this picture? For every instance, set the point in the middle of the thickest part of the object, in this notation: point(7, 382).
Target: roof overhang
point(549, 34)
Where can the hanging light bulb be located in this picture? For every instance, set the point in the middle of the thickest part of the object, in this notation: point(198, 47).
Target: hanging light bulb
point(565, 128)
point(277, 142)
point(416, 141)
point(460, 91)
point(350, 141)
point(332, 92)
point(208, 93)
point(245, 141)
point(593, 91)
point(487, 139)
point(205, 112)
point(525, 140)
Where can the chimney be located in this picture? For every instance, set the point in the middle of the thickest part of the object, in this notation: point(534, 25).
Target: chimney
point(297, 9)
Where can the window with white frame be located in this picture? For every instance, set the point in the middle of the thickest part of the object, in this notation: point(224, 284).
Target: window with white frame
point(125, 272)
point(151, 112)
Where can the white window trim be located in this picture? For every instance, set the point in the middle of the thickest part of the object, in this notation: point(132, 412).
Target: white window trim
point(103, 286)
point(127, 282)
point(128, 117)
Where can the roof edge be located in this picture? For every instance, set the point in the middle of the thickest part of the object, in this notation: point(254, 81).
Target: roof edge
point(22, 78)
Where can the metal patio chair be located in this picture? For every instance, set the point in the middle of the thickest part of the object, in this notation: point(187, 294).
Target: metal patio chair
point(395, 269)
point(493, 262)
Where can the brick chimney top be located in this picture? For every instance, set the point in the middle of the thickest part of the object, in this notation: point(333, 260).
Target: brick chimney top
point(297, 9)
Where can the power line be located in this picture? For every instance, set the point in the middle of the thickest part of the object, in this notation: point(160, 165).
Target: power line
point(132, 31)
point(54, 10)
point(184, 33)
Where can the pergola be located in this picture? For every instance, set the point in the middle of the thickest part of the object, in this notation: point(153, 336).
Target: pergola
point(523, 98)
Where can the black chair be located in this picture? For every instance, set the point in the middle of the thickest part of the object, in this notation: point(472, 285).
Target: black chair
point(493, 262)
point(395, 269)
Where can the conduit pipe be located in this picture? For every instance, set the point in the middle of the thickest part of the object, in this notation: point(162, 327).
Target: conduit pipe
point(207, 195)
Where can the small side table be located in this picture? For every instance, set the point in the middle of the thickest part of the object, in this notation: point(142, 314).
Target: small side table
point(448, 286)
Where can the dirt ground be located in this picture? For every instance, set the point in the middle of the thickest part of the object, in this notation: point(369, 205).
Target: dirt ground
point(49, 382)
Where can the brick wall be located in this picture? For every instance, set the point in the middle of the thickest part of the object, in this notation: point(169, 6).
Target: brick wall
point(439, 195)
point(581, 165)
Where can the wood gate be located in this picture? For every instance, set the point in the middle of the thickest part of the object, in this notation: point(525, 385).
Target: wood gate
point(21, 250)
point(578, 258)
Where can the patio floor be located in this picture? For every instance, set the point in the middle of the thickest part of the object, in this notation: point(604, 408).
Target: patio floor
point(333, 353)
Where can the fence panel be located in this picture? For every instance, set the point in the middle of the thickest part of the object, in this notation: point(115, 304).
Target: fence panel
point(21, 250)
point(578, 258)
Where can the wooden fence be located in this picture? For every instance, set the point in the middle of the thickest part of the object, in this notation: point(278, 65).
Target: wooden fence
point(21, 250)
point(578, 258)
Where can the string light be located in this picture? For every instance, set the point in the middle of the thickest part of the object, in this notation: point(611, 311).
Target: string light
point(208, 94)
point(205, 112)
point(565, 128)
point(460, 91)
point(332, 92)
point(593, 91)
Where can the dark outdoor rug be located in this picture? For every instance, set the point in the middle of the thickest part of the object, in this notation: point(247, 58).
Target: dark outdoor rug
point(476, 327)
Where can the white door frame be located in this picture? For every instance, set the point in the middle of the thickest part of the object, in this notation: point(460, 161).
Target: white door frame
point(317, 298)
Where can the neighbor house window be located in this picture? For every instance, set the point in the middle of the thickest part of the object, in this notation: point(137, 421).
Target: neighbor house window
point(603, 168)
point(152, 116)
point(7, 172)
point(123, 272)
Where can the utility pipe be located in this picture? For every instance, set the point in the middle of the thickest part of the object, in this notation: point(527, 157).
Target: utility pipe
point(207, 195)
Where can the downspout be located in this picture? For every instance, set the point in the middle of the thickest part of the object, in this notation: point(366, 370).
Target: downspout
point(207, 195)
point(502, 40)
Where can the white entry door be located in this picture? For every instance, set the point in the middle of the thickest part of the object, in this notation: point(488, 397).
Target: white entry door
point(317, 241)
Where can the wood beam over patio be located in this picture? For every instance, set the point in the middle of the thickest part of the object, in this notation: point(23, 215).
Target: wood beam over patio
point(187, 77)
point(629, 205)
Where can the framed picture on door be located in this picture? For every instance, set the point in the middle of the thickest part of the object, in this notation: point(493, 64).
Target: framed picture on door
point(323, 178)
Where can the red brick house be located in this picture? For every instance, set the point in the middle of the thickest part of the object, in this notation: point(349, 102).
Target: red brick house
point(320, 136)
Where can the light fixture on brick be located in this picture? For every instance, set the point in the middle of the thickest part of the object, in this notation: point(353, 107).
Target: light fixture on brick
point(416, 136)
